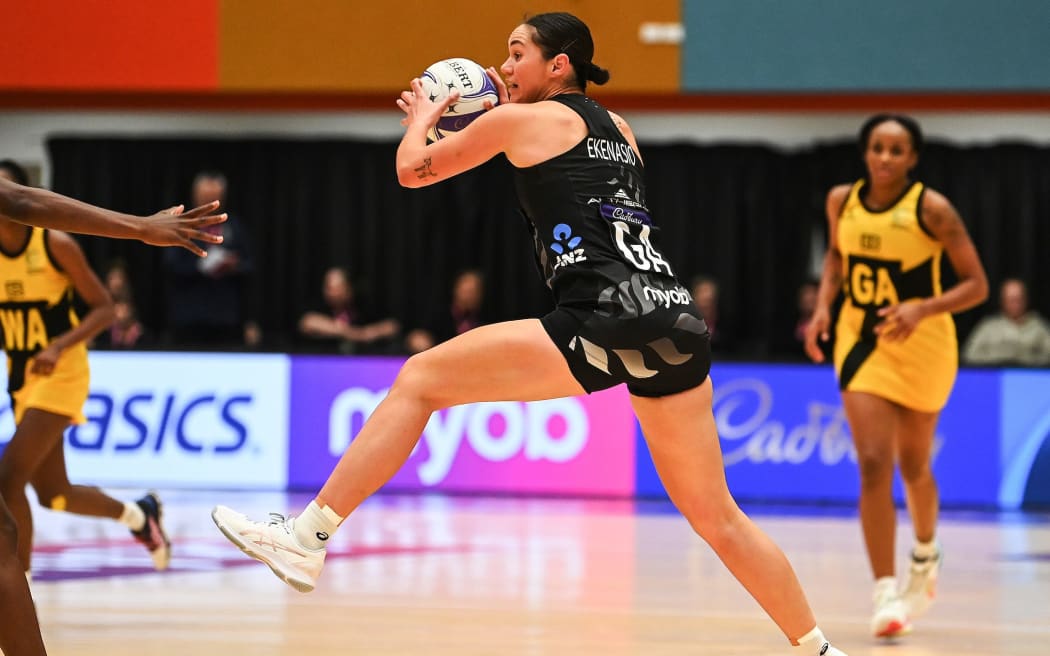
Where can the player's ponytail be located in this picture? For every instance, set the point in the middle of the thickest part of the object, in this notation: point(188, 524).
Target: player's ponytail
point(596, 74)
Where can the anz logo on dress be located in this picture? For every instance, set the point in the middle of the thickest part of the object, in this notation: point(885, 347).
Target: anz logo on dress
point(565, 246)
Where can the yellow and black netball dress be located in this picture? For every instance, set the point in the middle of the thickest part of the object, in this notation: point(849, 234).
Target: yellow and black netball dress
point(889, 257)
point(36, 305)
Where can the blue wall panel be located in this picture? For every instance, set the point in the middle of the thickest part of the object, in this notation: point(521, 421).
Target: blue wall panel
point(848, 45)
point(785, 438)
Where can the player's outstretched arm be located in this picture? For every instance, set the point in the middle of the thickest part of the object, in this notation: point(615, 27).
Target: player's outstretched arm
point(171, 227)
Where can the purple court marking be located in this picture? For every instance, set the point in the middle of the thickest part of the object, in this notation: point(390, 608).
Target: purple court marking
point(122, 558)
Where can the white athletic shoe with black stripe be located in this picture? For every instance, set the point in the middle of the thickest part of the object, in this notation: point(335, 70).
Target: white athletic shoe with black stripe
point(813, 648)
point(922, 582)
point(272, 542)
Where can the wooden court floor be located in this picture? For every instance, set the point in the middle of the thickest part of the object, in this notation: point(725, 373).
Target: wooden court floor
point(442, 576)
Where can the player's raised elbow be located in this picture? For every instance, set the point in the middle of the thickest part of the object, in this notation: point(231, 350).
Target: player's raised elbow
point(408, 177)
point(415, 167)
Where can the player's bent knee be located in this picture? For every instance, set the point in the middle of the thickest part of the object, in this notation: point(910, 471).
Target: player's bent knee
point(711, 520)
point(874, 469)
point(913, 473)
point(417, 379)
point(719, 533)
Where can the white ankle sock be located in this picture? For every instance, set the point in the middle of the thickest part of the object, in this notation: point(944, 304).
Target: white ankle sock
point(813, 643)
point(885, 583)
point(316, 525)
point(924, 550)
point(132, 517)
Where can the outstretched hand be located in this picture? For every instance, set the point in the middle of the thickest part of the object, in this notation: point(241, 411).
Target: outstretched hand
point(173, 227)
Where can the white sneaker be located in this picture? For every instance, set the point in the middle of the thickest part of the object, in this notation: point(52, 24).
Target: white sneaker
point(273, 543)
point(922, 583)
point(825, 650)
point(891, 614)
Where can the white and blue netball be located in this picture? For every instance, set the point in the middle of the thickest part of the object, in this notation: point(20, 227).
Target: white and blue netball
point(474, 86)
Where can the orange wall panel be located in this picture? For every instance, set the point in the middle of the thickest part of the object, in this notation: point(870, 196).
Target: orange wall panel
point(109, 45)
point(363, 46)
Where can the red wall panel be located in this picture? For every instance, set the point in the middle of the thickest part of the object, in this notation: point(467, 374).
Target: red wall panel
point(110, 45)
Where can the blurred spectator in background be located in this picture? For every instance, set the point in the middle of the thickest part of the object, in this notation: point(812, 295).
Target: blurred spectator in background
point(705, 296)
point(117, 282)
point(790, 342)
point(339, 327)
point(806, 303)
point(1015, 336)
point(461, 315)
point(127, 332)
point(207, 296)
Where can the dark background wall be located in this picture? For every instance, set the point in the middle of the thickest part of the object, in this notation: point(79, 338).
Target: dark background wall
point(744, 214)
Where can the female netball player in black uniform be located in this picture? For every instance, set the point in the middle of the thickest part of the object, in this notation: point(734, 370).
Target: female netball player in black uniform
point(19, 630)
point(621, 317)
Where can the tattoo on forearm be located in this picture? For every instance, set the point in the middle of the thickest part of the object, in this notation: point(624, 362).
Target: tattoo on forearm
point(425, 171)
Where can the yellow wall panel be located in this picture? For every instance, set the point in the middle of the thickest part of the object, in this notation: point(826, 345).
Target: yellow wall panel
point(359, 46)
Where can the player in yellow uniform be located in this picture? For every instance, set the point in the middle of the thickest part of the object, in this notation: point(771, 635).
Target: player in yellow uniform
point(896, 353)
point(47, 371)
point(19, 629)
